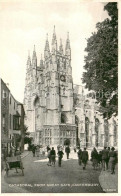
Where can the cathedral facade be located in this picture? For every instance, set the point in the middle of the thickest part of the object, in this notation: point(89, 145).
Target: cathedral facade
point(58, 112)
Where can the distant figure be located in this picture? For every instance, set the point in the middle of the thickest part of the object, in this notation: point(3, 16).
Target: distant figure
point(49, 157)
point(60, 156)
point(58, 147)
point(48, 148)
point(67, 150)
point(53, 155)
point(79, 153)
point(84, 158)
point(108, 157)
point(94, 156)
point(105, 158)
point(74, 149)
point(100, 158)
point(33, 150)
point(112, 159)
point(37, 151)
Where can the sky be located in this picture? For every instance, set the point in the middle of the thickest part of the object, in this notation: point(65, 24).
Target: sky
point(24, 24)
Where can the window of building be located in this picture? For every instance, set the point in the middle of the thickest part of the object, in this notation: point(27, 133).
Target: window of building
point(3, 120)
point(14, 105)
point(4, 96)
point(63, 118)
point(61, 106)
point(15, 122)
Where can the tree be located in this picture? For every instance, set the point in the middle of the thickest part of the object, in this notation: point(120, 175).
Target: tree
point(101, 62)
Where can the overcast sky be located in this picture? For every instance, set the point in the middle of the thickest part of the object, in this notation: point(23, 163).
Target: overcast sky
point(25, 23)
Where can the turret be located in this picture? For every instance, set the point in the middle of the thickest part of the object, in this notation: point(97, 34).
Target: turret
point(34, 59)
point(41, 63)
point(68, 49)
point(47, 49)
point(28, 61)
point(54, 42)
point(61, 47)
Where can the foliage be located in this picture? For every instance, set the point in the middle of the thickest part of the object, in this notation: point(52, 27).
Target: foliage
point(101, 62)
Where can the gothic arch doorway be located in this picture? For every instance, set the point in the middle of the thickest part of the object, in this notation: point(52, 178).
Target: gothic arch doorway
point(87, 130)
point(67, 142)
point(77, 128)
point(97, 132)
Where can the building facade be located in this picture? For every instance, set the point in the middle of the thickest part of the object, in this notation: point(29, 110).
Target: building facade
point(12, 120)
point(57, 112)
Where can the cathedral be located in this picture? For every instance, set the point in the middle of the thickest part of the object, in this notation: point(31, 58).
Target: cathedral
point(59, 112)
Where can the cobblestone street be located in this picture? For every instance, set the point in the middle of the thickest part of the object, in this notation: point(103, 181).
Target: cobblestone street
point(40, 178)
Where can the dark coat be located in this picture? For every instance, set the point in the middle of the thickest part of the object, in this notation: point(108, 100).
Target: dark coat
point(79, 154)
point(94, 154)
point(67, 149)
point(84, 155)
point(105, 154)
point(52, 152)
point(60, 154)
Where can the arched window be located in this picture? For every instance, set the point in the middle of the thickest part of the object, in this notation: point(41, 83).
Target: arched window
point(97, 131)
point(77, 124)
point(87, 130)
point(63, 118)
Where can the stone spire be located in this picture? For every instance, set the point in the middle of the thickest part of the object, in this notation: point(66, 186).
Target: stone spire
point(28, 60)
point(41, 63)
point(61, 47)
point(54, 42)
point(34, 58)
point(47, 48)
point(68, 48)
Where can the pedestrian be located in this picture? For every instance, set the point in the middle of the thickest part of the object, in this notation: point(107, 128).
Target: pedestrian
point(74, 149)
point(94, 156)
point(100, 158)
point(37, 151)
point(33, 150)
point(49, 157)
point(53, 155)
point(85, 157)
point(67, 150)
point(112, 159)
point(58, 147)
point(60, 156)
point(48, 148)
point(79, 153)
point(108, 158)
point(105, 158)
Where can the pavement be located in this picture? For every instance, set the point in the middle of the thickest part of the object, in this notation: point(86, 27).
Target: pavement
point(107, 181)
point(3, 182)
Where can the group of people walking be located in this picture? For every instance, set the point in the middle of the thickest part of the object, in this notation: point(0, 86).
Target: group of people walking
point(107, 158)
point(52, 156)
point(36, 150)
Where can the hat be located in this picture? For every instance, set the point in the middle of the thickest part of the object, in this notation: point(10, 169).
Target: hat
point(112, 148)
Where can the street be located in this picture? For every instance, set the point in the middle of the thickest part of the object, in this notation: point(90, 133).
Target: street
point(41, 178)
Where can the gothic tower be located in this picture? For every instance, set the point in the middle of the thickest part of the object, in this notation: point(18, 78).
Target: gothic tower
point(48, 96)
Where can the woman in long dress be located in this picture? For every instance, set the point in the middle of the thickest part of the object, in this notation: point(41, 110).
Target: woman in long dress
point(94, 156)
point(112, 160)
